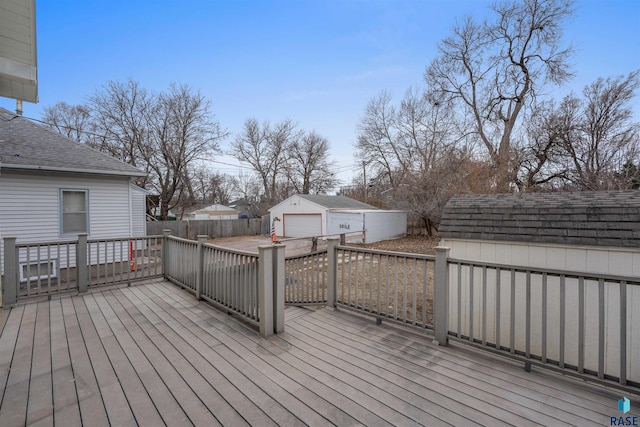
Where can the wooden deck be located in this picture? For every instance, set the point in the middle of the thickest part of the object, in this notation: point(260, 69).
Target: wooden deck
point(152, 355)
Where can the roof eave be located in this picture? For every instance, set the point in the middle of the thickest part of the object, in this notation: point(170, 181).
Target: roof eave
point(70, 170)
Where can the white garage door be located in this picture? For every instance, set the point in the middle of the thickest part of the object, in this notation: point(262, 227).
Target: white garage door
point(299, 225)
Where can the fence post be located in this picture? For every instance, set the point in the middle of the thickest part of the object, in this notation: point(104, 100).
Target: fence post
point(278, 288)
point(82, 268)
point(332, 270)
point(343, 239)
point(165, 252)
point(10, 281)
point(202, 239)
point(265, 289)
point(441, 296)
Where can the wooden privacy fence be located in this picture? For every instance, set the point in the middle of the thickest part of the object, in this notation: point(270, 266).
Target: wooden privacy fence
point(213, 228)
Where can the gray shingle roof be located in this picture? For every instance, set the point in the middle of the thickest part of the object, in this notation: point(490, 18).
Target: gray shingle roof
point(29, 146)
point(591, 218)
point(336, 202)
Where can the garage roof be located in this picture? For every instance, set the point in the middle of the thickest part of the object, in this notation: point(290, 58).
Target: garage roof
point(336, 202)
point(590, 218)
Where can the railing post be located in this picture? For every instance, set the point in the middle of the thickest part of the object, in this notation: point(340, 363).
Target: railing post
point(165, 252)
point(332, 270)
point(202, 239)
point(10, 281)
point(265, 289)
point(441, 296)
point(82, 268)
point(278, 288)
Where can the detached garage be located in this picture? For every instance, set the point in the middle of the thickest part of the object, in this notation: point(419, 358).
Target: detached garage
point(305, 215)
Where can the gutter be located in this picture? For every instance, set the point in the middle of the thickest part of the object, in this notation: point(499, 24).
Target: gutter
point(70, 170)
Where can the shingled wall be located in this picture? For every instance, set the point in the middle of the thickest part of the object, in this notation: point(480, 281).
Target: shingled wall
point(590, 218)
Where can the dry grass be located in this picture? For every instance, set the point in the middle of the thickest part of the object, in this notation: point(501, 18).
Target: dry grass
point(408, 244)
point(398, 287)
point(390, 286)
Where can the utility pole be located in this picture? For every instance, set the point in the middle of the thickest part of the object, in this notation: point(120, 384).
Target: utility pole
point(364, 173)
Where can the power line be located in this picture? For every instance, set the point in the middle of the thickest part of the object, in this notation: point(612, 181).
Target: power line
point(336, 169)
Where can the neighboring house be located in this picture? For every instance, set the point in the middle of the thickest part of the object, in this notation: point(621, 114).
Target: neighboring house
point(305, 215)
point(213, 212)
point(591, 232)
point(53, 188)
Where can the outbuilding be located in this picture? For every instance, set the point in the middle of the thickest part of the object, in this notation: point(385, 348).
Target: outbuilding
point(587, 231)
point(305, 215)
point(590, 234)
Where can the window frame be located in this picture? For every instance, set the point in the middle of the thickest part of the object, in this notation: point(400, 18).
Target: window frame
point(61, 210)
point(53, 270)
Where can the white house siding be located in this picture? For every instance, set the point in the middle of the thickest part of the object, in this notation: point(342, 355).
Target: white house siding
point(614, 261)
point(29, 206)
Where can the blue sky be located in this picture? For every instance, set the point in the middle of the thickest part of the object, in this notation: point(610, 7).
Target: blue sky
point(316, 62)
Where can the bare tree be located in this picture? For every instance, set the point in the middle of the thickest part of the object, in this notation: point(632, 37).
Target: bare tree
point(417, 155)
point(211, 187)
point(72, 121)
point(600, 135)
point(540, 159)
point(376, 145)
point(496, 68)
point(589, 143)
point(182, 130)
point(120, 119)
point(266, 149)
point(308, 167)
point(247, 188)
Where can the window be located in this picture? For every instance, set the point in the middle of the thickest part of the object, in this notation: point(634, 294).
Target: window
point(38, 270)
point(74, 212)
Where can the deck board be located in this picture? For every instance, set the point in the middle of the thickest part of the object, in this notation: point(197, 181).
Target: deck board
point(493, 370)
point(136, 394)
point(152, 355)
point(92, 408)
point(511, 408)
point(259, 389)
point(17, 389)
point(40, 409)
point(339, 404)
point(65, 398)
point(113, 396)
